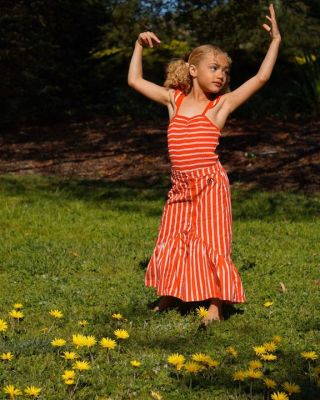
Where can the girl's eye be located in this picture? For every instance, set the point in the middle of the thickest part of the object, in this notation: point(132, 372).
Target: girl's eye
point(213, 67)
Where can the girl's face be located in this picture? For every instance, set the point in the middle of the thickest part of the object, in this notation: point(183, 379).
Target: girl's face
point(212, 72)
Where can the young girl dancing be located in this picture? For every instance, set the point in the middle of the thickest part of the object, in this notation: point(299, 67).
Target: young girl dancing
point(192, 256)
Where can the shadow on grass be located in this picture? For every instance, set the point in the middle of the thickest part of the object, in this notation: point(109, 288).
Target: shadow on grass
point(138, 195)
point(289, 368)
point(185, 308)
point(224, 382)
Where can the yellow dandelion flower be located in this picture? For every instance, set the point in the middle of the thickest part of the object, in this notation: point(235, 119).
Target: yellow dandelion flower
point(270, 346)
point(108, 343)
point(255, 364)
point(277, 339)
point(56, 314)
point(268, 304)
point(69, 355)
point(270, 383)
point(117, 316)
point(291, 387)
point(121, 334)
point(212, 363)
point(81, 365)
point(68, 374)
point(259, 350)
point(16, 314)
point(6, 356)
point(179, 367)
point(135, 363)
point(303, 60)
point(239, 375)
point(268, 357)
point(90, 341)
point(3, 325)
point(192, 367)
point(32, 391)
point(79, 340)
point(12, 391)
point(201, 358)
point(309, 355)
point(69, 381)
point(254, 373)
point(176, 359)
point(83, 322)
point(202, 312)
point(156, 395)
point(232, 351)
point(18, 306)
point(279, 396)
point(58, 342)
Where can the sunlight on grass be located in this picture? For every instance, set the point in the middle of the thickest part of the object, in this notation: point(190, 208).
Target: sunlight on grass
point(72, 262)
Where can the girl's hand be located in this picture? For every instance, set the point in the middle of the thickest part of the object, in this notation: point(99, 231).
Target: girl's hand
point(147, 39)
point(273, 30)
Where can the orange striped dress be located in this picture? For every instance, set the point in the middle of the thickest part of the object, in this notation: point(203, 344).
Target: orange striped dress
point(192, 256)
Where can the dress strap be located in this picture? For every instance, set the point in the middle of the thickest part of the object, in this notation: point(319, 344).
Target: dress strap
point(211, 104)
point(178, 97)
point(177, 93)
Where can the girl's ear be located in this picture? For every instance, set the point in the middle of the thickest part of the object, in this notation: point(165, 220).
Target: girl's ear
point(193, 70)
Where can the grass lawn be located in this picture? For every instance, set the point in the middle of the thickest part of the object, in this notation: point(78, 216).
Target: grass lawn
point(82, 247)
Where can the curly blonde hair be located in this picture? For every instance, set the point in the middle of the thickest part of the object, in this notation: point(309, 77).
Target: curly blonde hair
point(177, 72)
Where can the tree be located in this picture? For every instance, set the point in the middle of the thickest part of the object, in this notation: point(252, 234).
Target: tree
point(45, 56)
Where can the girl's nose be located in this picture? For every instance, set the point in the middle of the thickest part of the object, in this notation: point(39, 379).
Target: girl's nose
point(220, 73)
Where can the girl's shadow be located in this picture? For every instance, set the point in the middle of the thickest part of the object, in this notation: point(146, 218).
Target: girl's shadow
point(185, 308)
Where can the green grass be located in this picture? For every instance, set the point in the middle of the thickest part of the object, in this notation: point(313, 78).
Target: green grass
point(82, 247)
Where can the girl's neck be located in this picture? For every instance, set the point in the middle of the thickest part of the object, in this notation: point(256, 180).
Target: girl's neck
point(199, 95)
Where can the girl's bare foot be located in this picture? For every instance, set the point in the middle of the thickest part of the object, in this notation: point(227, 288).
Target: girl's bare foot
point(164, 303)
point(214, 313)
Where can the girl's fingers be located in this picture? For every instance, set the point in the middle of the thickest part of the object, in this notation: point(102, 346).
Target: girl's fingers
point(142, 37)
point(272, 19)
point(145, 41)
point(266, 27)
point(272, 12)
point(148, 37)
point(273, 29)
point(155, 37)
point(150, 41)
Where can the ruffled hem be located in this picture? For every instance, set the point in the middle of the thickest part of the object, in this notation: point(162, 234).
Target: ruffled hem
point(186, 267)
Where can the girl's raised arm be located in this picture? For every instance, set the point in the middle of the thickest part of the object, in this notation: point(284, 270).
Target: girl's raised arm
point(135, 75)
point(238, 96)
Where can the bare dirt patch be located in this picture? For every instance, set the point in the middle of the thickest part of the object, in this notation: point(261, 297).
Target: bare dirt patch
point(273, 155)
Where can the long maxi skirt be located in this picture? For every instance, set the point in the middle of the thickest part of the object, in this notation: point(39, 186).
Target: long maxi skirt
point(192, 255)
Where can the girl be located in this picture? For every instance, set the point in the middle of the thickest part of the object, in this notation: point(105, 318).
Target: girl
point(192, 257)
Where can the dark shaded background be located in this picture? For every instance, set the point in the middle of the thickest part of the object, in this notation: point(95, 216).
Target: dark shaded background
point(68, 59)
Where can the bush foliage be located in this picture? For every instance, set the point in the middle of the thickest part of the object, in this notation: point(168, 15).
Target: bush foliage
point(69, 58)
